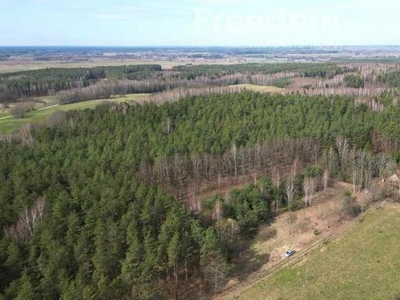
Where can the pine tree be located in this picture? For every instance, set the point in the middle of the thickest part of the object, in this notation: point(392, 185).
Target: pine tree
point(25, 289)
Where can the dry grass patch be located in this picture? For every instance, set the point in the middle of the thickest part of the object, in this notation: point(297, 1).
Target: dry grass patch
point(259, 88)
point(361, 264)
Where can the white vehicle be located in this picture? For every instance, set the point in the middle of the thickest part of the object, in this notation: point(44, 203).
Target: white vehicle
point(290, 253)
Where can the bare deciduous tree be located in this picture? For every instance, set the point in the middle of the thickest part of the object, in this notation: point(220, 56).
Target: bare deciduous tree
point(276, 177)
point(217, 213)
point(20, 109)
point(234, 155)
point(325, 179)
point(309, 187)
point(381, 164)
point(362, 170)
point(290, 191)
point(26, 135)
point(215, 271)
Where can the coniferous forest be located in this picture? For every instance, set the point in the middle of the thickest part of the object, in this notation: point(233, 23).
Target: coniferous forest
point(162, 198)
point(97, 206)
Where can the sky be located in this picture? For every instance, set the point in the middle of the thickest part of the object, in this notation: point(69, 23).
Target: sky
point(199, 22)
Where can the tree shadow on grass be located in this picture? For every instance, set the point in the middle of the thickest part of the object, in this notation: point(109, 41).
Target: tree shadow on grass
point(248, 265)
point(249, 262)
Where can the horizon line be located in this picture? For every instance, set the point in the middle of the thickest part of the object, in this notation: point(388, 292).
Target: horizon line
point(207, 46)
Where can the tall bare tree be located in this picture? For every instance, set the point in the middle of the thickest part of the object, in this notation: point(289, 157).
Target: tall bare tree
point(290, 191)
point(325, 179)
point(309, 187)
point(234, 155)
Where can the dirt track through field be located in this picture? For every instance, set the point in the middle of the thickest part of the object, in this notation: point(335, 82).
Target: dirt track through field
point(40, 109)
point(234, 291)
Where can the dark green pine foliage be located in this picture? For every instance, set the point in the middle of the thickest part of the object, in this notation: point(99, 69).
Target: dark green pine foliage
point(104, 232)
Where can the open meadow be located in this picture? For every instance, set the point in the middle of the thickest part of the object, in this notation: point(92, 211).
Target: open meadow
point(258, 88)
point(363, 263)
point(10, 123)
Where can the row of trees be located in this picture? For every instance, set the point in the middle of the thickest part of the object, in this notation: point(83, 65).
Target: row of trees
point(106, 89)
point(303, 69)
point(79, 84)
point(49, 81)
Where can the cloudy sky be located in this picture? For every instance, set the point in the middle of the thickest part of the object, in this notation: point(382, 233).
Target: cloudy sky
point(199, 22)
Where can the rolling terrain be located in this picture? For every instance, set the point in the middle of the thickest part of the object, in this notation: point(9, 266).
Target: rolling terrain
point(9, 123)
point(363, 263)
point(200, 191)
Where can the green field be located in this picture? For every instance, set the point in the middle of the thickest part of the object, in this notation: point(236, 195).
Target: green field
point(364, 263)
point(259, 88)
point(10, 124)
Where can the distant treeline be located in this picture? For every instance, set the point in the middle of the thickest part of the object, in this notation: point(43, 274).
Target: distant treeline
point(151, 78)
point(49, 81)
point(303, 69)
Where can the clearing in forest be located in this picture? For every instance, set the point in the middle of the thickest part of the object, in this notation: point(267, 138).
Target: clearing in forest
point(363, 263)
point(9, 123)
point(259, 88)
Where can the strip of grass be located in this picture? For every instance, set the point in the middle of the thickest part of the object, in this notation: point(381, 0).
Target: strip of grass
point(259, 88)
point(11, 124)
point(364, 263)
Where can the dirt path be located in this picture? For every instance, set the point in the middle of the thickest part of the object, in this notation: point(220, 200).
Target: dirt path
point(40, 109)
point(47, 107)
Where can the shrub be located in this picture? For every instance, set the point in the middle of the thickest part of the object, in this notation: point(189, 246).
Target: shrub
point(19, 110)
point(282, 82)
point(354, 81)
point(350, 207)
point(296, 205)
point(313, 171)
point(347, 193)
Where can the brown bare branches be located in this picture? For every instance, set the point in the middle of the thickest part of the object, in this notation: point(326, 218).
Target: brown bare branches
point(27, 222)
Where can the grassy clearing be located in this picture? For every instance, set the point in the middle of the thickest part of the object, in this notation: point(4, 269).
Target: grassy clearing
point(259, 88)
point(364, 263)
point(11, 124)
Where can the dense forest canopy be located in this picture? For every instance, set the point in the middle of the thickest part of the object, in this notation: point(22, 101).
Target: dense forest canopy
point(305, 69)
point(78, 222)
